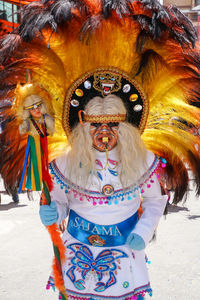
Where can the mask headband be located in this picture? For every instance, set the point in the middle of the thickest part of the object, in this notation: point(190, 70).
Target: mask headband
point(83, 117)
point(33, 106)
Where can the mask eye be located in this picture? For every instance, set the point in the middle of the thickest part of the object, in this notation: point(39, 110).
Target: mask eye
point(113, 124)
point(96, 125)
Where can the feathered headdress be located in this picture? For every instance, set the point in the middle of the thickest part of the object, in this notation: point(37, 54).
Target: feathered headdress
point(65, 42)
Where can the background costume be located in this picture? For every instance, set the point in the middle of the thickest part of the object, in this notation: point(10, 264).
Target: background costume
point(38, 124)
point(64, 43)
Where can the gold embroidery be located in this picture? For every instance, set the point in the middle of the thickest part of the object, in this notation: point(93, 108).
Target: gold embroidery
point(106, 82)
point(104, 118)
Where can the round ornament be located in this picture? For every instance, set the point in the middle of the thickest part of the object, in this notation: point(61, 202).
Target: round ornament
point(108, 190)
point(133, 97)
point(79, 92)
point(126, 88)
point(74, 103)
point(87, 84)
point(137, 108)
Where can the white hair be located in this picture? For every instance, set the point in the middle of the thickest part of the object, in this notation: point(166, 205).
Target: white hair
point(131, 149)
point(26, 125)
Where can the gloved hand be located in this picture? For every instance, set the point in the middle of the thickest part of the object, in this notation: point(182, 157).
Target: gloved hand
point(48, 214)
point(135, 241)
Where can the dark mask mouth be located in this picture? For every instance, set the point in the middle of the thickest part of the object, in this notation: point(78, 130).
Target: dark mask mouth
point(92, 84)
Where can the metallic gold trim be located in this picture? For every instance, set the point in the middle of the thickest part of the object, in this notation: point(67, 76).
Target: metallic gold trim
point(104, 118)
point(107, 81)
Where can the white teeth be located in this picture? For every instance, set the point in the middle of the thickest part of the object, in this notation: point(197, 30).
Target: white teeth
point(109, 85)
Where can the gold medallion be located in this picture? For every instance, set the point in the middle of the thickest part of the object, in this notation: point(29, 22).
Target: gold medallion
point(108, 190)
point(133, 97)
point(79, 92)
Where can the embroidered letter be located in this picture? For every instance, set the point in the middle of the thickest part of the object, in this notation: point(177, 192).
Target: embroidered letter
point(82, 225)
point(76, 223)
point(117, 232)
point(95, 230)
point(108, 232)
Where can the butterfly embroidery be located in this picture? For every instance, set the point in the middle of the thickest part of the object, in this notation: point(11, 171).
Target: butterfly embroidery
point(107, 261)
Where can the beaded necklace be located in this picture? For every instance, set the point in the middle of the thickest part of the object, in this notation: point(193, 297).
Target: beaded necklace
point(107, 163)
point(44, 127)
point(98, 198)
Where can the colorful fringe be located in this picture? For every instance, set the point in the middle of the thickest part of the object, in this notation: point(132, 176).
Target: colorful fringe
point(32, 169)
point(59, 248)
point(35, 168)
point(138, 294)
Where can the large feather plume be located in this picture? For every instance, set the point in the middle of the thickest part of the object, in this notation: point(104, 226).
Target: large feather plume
point(61, 40)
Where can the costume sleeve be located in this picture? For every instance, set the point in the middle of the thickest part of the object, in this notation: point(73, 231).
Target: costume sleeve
point(60, 197)
point(153, 205)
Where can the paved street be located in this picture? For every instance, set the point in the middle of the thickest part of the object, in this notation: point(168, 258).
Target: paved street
point(26, 252)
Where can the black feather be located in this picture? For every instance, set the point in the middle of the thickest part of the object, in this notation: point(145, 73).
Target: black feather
point(8, 44)
point(141, 40)
point(90, 25)
point(147, 58)
point(62, 10)
point(150, 26)
point(165, 19)
point(121, 7)
point(158, 11)
point(35, 17)
point(180, 20)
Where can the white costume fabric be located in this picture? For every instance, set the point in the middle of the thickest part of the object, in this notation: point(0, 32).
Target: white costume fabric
point(95, 269)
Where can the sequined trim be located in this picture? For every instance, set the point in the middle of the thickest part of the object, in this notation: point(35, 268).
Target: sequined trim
point(140, 291)
point(130, 296)
point(97, 198)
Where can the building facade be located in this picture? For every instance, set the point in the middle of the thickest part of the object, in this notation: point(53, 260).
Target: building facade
point(10, 14)
point(183, 4)
point(191, 8)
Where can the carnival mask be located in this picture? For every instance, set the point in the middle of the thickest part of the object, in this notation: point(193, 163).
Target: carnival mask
point(35, 110)
point(104, 136)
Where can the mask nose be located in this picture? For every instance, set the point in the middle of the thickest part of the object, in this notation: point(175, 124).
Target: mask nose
point(105, 128)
